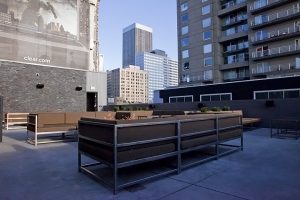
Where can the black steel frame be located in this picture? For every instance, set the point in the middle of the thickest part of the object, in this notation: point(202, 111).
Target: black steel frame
point(279, 128)
point(177, 154)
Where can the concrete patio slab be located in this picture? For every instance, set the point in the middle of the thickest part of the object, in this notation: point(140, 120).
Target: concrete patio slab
point(268, 168)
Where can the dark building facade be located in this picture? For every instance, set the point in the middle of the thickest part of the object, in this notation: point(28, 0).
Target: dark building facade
point(262, 89)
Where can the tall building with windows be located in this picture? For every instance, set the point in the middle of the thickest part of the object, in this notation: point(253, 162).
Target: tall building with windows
point(233, 40)
point(136, 38)
point(127, 85)
point(50, 66)
point(162, 70)
point(275, 38)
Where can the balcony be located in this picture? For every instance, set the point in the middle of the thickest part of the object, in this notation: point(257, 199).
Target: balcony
point(234, 65)
point(276, 52)
point(259, 6)
point(235, 49)
point(264, 70)
point(232, 6)
point(234, 33)
point(196, 79)
point(234, 20)
point(283, 33)
point(282, 16)
point(236, 76)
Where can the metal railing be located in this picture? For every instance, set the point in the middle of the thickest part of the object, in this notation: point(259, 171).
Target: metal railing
point(240, 75)
point(275, 16)
point(273, 68)
point(232, 3)
point(260, 4)
point(196, 78)
point(235, 30)
point(276, 51)
point(276, 33)
point(235, 19)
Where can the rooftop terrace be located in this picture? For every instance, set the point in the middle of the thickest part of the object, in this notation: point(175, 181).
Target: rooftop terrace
point(268, 168)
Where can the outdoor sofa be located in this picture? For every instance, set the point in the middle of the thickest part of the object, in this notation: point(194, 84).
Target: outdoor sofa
point(122, 144)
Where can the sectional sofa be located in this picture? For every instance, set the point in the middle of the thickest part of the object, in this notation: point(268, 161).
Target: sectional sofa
point(122, 144)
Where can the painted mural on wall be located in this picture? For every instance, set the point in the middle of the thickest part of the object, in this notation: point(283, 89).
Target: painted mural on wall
point(46, 32)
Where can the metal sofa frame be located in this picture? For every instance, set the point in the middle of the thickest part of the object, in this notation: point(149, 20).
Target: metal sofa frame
point(177, 154)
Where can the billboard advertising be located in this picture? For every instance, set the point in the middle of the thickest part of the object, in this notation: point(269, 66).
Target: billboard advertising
point(45, 32)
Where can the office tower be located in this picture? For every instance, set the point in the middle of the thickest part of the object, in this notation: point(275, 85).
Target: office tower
point(233, 40)
point(162, 70)
point(136, 38)
point(127, 85)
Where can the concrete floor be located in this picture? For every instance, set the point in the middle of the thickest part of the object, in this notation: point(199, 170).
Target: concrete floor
point(268, 168)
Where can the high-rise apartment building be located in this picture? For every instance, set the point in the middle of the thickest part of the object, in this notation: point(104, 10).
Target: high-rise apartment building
point(162, 70)
point(231, 40)
point(128, 85)
point(274, 35)
point(136, 38)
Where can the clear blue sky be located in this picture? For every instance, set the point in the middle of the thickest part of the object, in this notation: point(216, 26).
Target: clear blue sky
point(115, 15)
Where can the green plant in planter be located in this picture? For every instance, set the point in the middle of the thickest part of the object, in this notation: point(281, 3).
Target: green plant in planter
point(121, 107)
point(116, 108)
point(204, 109)
point(215, 109)
point(226, 108)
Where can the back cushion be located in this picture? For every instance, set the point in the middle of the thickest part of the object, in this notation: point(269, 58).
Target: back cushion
point(74, 117)
point(51, 118)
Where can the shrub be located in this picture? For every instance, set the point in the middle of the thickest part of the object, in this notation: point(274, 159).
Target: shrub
point(226, 108)
point(201, 105)
point(121, 107)
point(204, 109)
point(116, 108)
point(215, 109)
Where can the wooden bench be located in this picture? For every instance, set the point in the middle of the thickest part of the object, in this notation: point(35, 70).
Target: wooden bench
point(11, 119)
point(250, 122)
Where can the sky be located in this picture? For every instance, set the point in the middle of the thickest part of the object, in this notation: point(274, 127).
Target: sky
point(115, 15)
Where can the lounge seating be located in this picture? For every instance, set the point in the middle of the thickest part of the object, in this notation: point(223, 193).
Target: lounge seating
point(63, 124)
point(11, 119)
point(125, 143)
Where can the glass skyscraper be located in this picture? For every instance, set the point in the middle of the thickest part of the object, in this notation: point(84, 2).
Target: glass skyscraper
point(162, 71)
point(137, 38)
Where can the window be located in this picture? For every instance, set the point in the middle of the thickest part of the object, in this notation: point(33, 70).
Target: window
point(184, 6)
point(186, 65)
point(208, 61)
point(207, 35)
point(206, 9)
point(185, 42)
point(297, 63)
point(184, 18)
point(187, 98)
point(216, 97)
point(292, 94)
point(206, 22)
point(207, 48)
point(184, 30)
point(277, 94)
point(185, 54)
point(208, 75)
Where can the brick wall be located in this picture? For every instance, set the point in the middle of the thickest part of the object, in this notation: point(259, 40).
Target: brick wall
point(18, 88)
